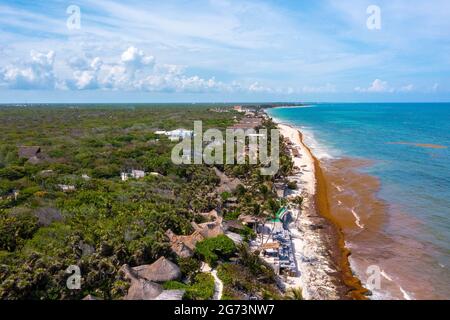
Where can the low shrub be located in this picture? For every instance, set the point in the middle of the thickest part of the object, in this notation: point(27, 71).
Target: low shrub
point(202, 288)
point(213, 249)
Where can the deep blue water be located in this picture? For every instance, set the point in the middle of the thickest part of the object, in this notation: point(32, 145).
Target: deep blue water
point(414, 179)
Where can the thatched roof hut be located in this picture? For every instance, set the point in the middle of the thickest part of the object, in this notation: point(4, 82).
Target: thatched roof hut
point(184, 246)
point(140, 289)
point(161, 270)
point(226, 184)
point(28, 152)
point(209, 229)
point(249, 220)
point(182, 250)
point(171, 295)
point(233, 225)
point(212, 215)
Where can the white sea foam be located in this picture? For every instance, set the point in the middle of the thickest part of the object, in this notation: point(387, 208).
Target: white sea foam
point(406, 295)
point(320, 149)
point(337, 187)
point(385, 275)
point(357, 219)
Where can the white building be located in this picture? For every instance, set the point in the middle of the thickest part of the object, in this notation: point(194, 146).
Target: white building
point(156, 174)
point(179, 134)
point(176, 135)
point(136, 174)
point(66, 188)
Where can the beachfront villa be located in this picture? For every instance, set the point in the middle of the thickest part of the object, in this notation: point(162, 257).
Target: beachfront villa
point(275, 244)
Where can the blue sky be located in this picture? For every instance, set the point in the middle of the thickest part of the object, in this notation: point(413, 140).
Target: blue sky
point(223, 50)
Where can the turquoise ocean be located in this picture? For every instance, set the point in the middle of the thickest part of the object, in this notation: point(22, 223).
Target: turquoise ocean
point(408, 145)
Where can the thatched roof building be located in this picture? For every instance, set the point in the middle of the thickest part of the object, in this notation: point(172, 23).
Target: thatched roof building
point(226, 184)
point(209, 229)
point(140, 289)
point(212, 215)
point(249, 220)
point(161, 270)
point(184, 246)
point(28, 152)
point(233, 225)
point(171, 295)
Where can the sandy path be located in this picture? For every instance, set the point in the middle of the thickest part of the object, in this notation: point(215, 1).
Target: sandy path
point(218, 284)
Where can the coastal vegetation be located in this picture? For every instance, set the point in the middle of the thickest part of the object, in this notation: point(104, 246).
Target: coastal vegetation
point(212, 249)
point(201, 288)
point(66, 204)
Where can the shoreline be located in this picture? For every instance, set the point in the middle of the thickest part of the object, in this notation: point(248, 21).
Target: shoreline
point(317, 234)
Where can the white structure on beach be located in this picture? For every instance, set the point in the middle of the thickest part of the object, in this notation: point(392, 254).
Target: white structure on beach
point(136, 174)
point(275, 244)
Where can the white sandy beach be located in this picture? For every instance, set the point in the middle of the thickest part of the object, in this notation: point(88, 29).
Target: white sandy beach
point(316, 268)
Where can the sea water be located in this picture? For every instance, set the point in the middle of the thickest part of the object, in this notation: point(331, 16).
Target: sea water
point(409, 148)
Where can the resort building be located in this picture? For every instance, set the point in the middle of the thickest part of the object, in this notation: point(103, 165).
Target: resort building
point(275, 244)
point(248, 123)
point(161, 270)
point(145, 281)
point(184, 246)
point(135, 174)
point(176, 135)
point(66, 188)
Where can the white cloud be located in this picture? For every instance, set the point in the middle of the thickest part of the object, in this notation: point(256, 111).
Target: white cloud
point(407, 88)
point(376, 86)
point(136, 58)
point(379, 86)
point(35, 74)
point(136, 71)
point(85, 80)
point(243, 47)
point(256, 87)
